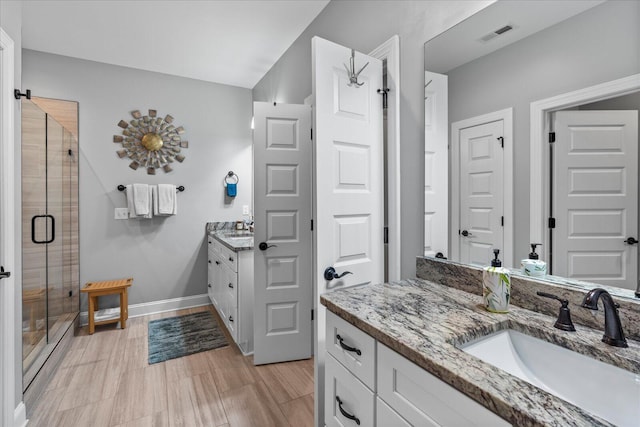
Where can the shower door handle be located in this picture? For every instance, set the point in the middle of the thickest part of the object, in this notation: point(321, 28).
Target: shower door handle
point(33, 229)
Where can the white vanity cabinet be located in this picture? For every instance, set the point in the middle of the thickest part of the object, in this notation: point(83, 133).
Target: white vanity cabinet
point(230, 289)
point(368, 381)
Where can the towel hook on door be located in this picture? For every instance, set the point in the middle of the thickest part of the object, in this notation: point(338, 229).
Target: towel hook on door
point(351, 70)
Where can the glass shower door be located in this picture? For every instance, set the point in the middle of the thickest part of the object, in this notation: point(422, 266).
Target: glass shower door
point(54, 226)
point(50, 232)
point(34, 256)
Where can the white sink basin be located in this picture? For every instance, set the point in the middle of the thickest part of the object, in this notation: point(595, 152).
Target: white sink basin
point(601, 389)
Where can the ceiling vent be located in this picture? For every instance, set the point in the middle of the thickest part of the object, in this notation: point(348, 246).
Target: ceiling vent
point(496, 33)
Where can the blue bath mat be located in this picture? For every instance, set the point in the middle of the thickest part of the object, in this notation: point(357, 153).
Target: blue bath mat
point(175, 337)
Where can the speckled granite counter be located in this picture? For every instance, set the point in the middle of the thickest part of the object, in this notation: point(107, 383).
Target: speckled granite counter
point(425, 322)
point(225, 233)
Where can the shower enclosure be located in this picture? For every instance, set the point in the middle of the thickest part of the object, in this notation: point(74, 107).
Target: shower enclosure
point(50, 274)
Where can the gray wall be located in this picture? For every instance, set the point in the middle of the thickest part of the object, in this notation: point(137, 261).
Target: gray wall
point(364, 25)
point(167, 257)
point(11, 23)
point(596, 46)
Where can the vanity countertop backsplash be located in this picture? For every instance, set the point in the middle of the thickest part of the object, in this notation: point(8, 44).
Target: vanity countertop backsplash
point(227, 234)
point(427, 319)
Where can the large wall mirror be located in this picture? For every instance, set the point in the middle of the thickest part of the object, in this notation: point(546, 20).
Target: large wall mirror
point(496, 86)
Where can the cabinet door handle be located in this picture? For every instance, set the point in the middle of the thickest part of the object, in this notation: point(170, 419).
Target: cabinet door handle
point(231, 259)
point(345, 413)
point(230, 318)
point(209, 285)
point(346, 347)
point(217, 262)
point(231, 285)
point(209, 261)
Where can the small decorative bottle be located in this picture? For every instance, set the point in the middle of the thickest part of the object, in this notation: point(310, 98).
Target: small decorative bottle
point(496, 286)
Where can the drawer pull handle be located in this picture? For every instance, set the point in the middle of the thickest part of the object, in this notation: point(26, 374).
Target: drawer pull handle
point(231, 285)
point(345, 413)
point(346, 347)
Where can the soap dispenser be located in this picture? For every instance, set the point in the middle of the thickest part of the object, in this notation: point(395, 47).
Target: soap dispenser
point(533, 266)
point(496, 286)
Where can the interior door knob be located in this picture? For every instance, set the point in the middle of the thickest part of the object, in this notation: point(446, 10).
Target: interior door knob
point(631, 241)
point(263, 246)
point(465, 233)
point(330, 274)
point(4, 274)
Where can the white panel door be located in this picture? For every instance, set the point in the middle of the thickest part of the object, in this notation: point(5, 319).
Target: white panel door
point(282, 200)
point(348, 180)
point(481, 193)
point(436, 164)
point(595, 199)
point(9, 414)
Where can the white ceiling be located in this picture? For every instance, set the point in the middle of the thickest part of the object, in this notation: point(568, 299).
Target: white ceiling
point(463, 43)
point(228, 42)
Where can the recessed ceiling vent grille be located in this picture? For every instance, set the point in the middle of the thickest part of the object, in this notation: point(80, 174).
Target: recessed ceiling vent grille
point(496, 33)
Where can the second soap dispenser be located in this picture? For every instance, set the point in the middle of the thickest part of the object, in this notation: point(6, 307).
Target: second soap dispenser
point(533, 266)
point(496, 286)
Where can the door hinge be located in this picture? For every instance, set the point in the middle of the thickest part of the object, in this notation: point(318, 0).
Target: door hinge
point(312, 314)
point(311, 225)
point(552, 137)
point(501, 139)
point(384, 93)
point(552, 223)
point(502, 221)
point(386, 235)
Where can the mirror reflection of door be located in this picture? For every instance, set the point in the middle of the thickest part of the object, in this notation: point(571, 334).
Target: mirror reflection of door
point(436, 165)
point(481, 198)
point(595, 196)
point(482, 188)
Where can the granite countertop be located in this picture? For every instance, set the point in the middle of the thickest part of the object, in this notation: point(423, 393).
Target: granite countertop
point(226, 233)
point(425, 322)
point(240, 240)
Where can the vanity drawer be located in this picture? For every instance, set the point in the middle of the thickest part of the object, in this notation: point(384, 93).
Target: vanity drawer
point(425, 400)
point(230, 287)
point(386, 416)
point(355, 399)
point(229, 257)
point(345, 341)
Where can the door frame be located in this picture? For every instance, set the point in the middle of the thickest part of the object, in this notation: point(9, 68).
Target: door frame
point(9, 413)
point(506, 116)
point(389, 51)
point(540, 126)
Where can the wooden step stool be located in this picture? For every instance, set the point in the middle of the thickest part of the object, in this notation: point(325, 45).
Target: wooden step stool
point(109, 287)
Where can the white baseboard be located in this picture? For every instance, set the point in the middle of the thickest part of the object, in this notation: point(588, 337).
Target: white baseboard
point(146, 308)
point(20, 415)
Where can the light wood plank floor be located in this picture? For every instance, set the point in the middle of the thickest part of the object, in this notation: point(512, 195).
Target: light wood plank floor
point(105, 380)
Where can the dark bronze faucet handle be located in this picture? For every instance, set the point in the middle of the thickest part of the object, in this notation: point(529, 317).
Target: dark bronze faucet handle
point(564, 322)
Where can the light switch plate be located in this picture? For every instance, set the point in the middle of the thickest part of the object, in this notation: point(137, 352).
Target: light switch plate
point(245, 209)
point(121, 213)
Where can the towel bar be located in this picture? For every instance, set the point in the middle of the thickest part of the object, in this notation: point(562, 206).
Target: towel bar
point(178, 189)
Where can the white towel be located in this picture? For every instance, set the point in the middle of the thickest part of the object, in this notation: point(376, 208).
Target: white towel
point(136, 205)
point(129, 191)
point(141, 199)
point(166, 200)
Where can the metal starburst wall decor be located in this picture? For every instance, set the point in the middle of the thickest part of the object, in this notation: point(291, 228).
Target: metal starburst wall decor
point(150, 141)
